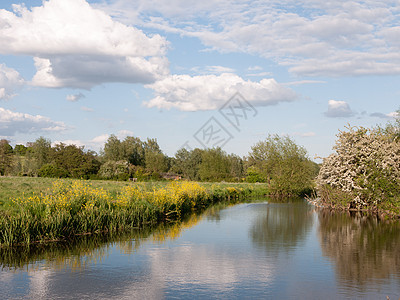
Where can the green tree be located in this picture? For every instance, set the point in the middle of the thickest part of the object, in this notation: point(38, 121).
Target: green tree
point(75, 161)
point(114, 170)
point(133, 151)
point(215, 165)
point(155, 160)
point(40, 153)
point(113, 149)
point(283, 164)
point(6, 157)
point(20, 150)
point(236, 167)
point(187, 163)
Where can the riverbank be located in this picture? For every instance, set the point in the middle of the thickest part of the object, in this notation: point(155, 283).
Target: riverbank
point(73, 207)
point(383, 213)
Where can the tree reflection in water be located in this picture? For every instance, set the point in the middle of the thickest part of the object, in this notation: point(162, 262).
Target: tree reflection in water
point(281, 227)
point(363, 248)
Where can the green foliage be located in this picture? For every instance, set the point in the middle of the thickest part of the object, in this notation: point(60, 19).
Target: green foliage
point(41, 152)
point(283, 164)
point(75, 161)
point(155, 160)
point(114, 170)
point(6, 161)
point(215, 165)
point(187, 163)
point(52, 171)
point(20, 150)
point(112, 149)
point(254, 175)
point(133, 151)
point(236, 172)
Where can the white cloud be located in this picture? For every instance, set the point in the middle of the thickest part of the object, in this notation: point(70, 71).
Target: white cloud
point(260, 74)
point(98, 142)
point(313, 38)
point(16, 122)
point(10, 80)
point(337, 109)
point(385, 116)
point(254, 68)
point(124, 133)
point(305, 134)
point(69, 142)
point(212, 70)
point(64, 57)
point(75, 97)
point(209, 92)
point(101, 139)
point(87, 109)
point(219, 69)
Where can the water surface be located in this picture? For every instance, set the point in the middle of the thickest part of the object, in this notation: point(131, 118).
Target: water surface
point(251, 250)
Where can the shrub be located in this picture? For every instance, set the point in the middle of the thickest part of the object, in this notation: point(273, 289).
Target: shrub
point(49, 170)
point(366, 166)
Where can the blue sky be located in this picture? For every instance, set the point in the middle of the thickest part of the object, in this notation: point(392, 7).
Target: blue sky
point(77, 71)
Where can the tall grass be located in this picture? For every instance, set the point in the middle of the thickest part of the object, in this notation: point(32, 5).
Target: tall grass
point(71, 208)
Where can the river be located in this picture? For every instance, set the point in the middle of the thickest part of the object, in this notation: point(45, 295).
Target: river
point(258, 250)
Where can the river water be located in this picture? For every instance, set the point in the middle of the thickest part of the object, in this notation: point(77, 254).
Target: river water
point(261, 250)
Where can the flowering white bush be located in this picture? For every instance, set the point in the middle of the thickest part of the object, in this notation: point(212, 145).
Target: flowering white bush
point(366, 166)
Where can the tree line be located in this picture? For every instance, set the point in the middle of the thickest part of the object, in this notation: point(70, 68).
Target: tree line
point(278, 161)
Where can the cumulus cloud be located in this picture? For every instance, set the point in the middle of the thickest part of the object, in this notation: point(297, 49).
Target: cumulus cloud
point(10, 80)
point(75, 97)
point(208, 92)
point(385, 116)
point(337, 109)
point(64, 57)
point(312, 38)
point(16, 122)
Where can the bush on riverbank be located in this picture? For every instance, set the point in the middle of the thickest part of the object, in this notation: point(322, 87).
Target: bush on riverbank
point(284, 165)
point(75, 207)
point(364, 173)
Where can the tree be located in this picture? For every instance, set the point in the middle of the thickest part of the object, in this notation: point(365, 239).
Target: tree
point(155, 160)
point(6, 159)
point(40, 153)
point(112, 149)
point(75, 161)
point(215, 165)
point(114, 170)
point(187, 163)
point(133, 151)
point(236, 167)
point(20, 150)
point(363, 171)
point(283, 164)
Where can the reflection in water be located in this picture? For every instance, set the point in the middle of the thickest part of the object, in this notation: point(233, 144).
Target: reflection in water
point(77, 253)
point(363, 248)
point(230, 253)
point(282, 226)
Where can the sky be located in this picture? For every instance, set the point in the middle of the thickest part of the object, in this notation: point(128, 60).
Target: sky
point(197, 74)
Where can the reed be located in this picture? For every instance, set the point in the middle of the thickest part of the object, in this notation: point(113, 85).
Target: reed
point(71, 208)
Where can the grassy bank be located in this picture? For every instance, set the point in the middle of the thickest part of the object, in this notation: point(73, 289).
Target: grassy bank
point(68, 208)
